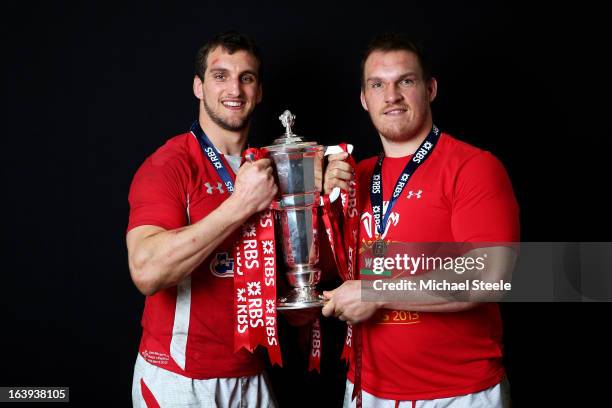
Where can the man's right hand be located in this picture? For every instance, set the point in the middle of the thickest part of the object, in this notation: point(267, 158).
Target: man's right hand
point(255, 187)
point(338, 173)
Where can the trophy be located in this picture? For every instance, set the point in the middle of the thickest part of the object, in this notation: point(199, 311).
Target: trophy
point(299, 173)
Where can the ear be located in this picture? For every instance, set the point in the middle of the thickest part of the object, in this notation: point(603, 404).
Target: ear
point(363, 101)
point(198, 90)
point(432, 89)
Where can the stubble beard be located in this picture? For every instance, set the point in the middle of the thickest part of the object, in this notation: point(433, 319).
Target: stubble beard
point(395, 132)
point(225, 124)
point(401, 131)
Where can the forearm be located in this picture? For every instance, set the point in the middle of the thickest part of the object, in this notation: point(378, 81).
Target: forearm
point(422, 301)
point(165, 258)
point(441, 306)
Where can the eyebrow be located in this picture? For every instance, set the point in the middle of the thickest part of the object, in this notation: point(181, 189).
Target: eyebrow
point(223, 70)
point(248, 71)
point(403, 76)
point(218, 70)
point(409, 74)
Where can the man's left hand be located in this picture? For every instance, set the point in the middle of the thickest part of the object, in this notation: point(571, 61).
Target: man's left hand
point(345, 303)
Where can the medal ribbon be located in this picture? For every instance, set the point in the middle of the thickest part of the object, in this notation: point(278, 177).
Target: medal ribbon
point(211, 153)
point(376, 200)
point(376, 194)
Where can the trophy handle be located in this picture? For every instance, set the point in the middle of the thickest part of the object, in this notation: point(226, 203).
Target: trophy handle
point(335, 149)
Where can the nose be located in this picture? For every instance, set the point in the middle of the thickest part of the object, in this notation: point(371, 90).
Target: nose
point(234, 87)
point(392, 95)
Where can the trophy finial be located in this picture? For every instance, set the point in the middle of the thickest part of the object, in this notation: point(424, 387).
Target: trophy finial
point(287, 119)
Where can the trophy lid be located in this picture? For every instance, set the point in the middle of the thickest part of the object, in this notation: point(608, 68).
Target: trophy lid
point(290, 142)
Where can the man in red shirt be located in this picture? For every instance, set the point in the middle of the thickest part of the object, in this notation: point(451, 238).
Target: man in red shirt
point(441, 352)
point(186, 202)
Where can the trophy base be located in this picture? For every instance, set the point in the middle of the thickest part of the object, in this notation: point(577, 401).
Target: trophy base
point(300, 298)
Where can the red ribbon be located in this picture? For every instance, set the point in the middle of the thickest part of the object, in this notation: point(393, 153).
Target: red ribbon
point(314, 358)
point(255, 283)
point(345, 254)
point(241, 324)
point(266, 223)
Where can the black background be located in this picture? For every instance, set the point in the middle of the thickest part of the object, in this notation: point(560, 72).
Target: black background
point(90, 89)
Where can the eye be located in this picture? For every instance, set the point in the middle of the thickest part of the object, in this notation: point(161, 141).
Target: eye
point(407, 82)
point(248, 79)
point(219, 77)
point(375, 85)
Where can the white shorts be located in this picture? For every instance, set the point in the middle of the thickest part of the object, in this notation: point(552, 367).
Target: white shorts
point(497, 396)
point(154, 387)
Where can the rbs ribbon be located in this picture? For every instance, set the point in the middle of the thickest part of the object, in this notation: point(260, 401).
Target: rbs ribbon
point(255, 284)
point(345, 255)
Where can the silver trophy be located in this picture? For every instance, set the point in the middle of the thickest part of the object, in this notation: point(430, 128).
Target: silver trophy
point(299, 173)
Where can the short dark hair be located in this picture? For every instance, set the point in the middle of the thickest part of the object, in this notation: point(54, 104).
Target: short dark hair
point(231, 41)
point(397, 42)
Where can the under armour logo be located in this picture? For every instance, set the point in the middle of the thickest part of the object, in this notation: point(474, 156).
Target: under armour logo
point(417, 194)
point(209, 188)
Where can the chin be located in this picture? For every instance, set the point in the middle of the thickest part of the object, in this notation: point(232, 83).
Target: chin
point(233, 125)
point(231, 119)
point(396, 135)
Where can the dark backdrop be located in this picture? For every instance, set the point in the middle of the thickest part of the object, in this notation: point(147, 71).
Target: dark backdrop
point(90, 89)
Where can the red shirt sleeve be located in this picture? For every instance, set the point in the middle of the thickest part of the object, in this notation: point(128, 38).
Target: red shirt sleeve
point(158, 195)
point(484, 205)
